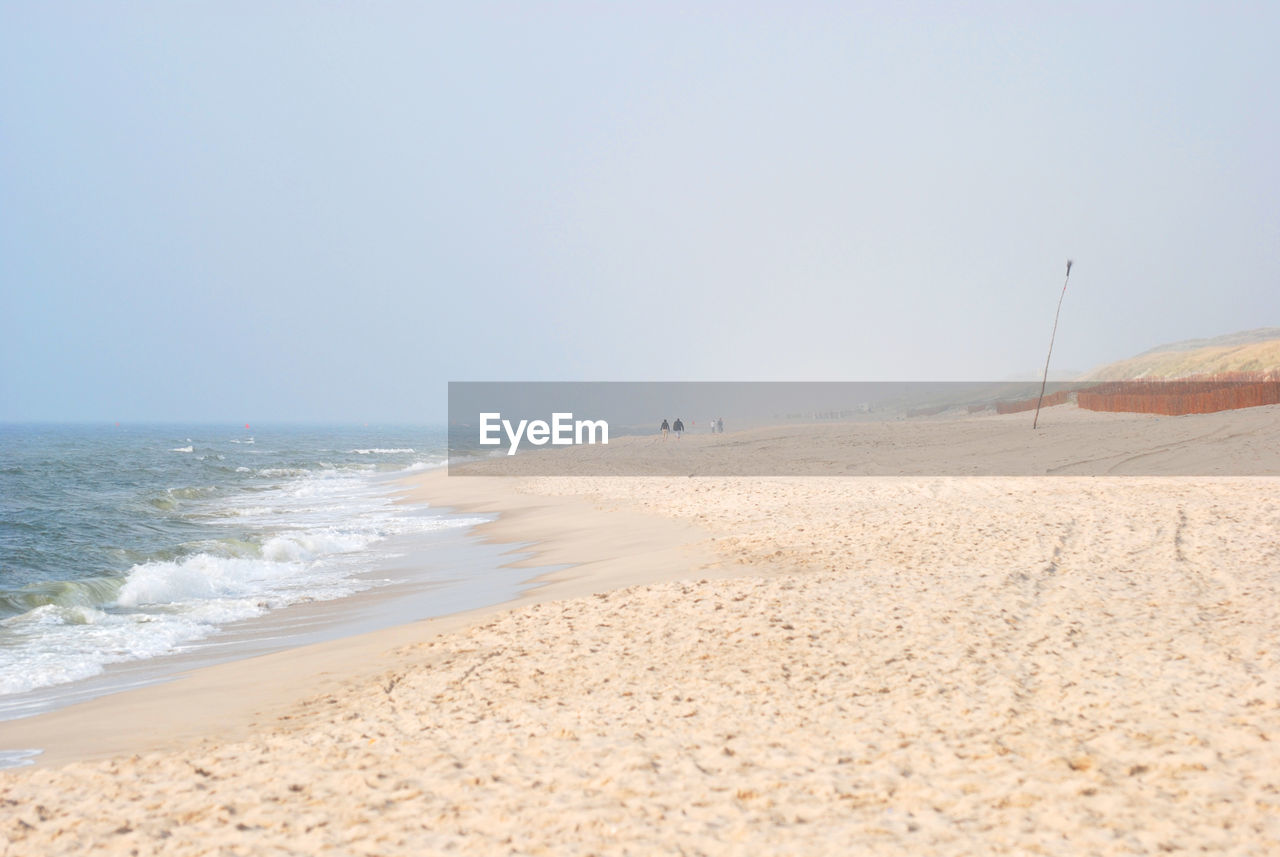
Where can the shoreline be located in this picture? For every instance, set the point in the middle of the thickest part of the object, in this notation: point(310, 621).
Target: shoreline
point(228, 701)
point(572, 545)
point(904, 665)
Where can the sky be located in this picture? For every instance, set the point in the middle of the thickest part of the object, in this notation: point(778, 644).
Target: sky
point(313, 211)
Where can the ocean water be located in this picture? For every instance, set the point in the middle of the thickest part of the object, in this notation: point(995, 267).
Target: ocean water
point(122, 544)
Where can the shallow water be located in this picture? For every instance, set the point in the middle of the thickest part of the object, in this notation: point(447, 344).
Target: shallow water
point(130, 553)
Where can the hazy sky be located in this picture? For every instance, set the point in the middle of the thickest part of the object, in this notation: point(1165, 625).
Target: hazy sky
point(297, 211)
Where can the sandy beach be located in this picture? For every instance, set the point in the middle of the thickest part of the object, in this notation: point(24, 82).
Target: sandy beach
point(1075, 664)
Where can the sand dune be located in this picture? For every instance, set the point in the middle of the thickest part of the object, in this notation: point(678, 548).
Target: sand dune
point(1211, 359)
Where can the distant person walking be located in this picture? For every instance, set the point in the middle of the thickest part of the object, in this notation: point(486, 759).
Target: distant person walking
point(720, 425)
point(678, 427)
point(665, 428)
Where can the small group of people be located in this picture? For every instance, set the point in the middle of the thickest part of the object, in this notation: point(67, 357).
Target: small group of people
point(717, 427)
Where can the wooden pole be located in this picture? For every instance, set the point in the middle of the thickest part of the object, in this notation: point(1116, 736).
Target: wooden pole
point(1052, 336)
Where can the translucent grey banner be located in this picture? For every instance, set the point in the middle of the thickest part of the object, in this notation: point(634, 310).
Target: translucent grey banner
point(1168, 428)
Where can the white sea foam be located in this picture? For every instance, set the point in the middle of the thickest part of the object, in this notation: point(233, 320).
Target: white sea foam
point(314, 536)
point(309, 545)
point(183, 449)
point(201, 576)
point(88, 641)
point(379, 451)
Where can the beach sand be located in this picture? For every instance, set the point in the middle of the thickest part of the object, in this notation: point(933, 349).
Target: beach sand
point(737, 665)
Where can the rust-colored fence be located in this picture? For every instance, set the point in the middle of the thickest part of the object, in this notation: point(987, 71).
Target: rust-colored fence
point(1050, 400)
point(1199, 395)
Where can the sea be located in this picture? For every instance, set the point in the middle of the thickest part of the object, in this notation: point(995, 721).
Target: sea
point(131, 552)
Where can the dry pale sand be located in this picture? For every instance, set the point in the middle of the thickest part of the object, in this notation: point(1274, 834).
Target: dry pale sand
point(914, 666)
